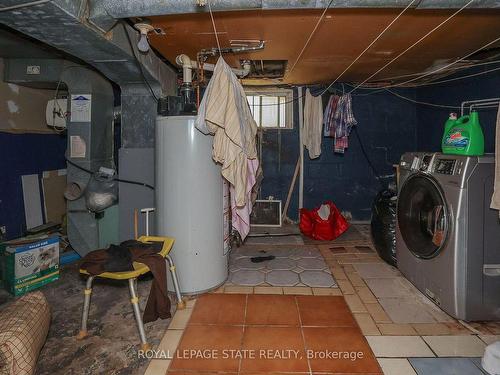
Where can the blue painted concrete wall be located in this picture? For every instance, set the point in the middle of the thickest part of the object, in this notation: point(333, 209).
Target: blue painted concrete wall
point(431, 120)
point(22, 154)
point(387, 128)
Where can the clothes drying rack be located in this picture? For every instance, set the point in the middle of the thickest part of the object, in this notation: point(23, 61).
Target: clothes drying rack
point(480, 103)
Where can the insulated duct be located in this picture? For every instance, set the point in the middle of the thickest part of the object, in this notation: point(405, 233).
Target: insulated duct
point(133, 8)
point(83, 29)
point(90, 135)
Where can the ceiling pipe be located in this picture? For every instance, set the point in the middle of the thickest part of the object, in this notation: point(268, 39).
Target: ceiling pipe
point(216, 51)
point(186, 89)
point(133, 8)
point(188, 65)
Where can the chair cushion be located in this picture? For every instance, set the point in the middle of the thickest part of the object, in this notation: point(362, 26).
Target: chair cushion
point(24, 325)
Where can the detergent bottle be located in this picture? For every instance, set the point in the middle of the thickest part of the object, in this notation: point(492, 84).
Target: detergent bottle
point(463, 136)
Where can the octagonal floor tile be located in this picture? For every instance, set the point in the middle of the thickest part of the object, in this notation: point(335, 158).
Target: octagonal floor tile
point(309, 253)
point(286, 253)
point(233, 268)
point(317, 279)
point(281, 264)
point(248, 277)
point(247, 264)
point(250, 251)
point(282, 278)
point(312, 264)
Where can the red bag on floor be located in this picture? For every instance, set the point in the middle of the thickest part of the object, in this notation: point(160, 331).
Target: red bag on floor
point(306, 223)
point(324, 223)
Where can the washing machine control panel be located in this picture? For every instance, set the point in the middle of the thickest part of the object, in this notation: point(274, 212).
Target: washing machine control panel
point(445, 166)
point(426, 161)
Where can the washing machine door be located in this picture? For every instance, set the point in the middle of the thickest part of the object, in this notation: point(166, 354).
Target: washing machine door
point(423, 216)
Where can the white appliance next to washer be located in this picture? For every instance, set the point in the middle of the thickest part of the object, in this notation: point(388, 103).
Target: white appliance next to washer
point(447, 237)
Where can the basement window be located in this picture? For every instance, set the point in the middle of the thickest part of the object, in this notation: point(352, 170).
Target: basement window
point(271, 109)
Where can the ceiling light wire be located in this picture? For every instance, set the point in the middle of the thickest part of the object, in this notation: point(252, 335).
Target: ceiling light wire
point(376, 90)
point(413, 45)
point(425, 74)
point(445, 66)
point(369, 46)
point(215, 28)
point(310, 36)
point(380, 89)
point(458, 78)
point(419, 73)
point(422, 103)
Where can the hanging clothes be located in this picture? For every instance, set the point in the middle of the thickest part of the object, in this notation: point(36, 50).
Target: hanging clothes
point(343, 122)
point(313, 123)
point(120, 258)
point(495, 200)
point(224, 112)
point(328, 116)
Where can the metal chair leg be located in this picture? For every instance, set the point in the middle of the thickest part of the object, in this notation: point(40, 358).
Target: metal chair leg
point(134, 299)
point(86, 307)
point(180, 302)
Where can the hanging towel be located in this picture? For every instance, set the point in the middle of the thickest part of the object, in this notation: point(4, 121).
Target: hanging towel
point(224, 112)
point(495, 200)
point(240, 218)
point(313, 123)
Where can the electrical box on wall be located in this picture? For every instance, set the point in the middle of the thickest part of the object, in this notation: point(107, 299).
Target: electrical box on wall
point(56, 112)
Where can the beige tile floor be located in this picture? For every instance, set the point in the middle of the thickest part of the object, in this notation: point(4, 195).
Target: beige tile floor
point(398, 321)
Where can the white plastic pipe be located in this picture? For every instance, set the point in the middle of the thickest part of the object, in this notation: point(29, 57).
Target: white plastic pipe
point(301, 147)
point(188, 65)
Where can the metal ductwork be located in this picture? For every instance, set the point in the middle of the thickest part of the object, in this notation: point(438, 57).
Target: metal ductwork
point(132, 8)
point(111, 48)
point(444, 4)
point(63, 25)
point(90, 140)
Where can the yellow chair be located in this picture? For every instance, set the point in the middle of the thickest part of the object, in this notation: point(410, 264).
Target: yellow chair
point(131, 276)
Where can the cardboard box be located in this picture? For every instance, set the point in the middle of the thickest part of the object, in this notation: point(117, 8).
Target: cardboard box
point(28, 264)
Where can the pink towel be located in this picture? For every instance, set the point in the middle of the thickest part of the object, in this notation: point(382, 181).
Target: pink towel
point(241, 215)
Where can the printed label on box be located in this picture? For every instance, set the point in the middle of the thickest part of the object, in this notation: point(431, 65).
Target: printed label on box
point(30, 266)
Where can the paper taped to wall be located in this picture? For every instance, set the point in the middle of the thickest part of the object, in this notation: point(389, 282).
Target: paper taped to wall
point(77, 146)
point(81, 108)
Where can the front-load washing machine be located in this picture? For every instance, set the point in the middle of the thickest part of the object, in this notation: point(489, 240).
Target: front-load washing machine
point(447, 237)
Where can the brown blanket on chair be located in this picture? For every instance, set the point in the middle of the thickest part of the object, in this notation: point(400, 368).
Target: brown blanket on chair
point(120, 258)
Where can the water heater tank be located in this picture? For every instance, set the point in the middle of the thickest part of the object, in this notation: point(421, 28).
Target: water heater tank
point(191, 204)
